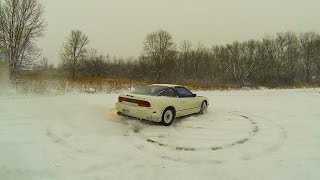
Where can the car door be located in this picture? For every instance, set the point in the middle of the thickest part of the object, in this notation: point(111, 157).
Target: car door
point(189, 103)
point(172, 99)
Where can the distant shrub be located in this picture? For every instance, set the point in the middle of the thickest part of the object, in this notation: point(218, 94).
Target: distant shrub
point(50, 82)
point(209, 86)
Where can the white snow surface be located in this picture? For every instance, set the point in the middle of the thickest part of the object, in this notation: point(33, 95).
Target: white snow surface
point(246, 134)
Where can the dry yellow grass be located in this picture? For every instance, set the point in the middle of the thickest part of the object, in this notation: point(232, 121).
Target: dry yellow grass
point(102, 84)
point(209, 86)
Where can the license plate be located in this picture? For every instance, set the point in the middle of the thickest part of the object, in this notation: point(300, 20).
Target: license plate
point(125, 111)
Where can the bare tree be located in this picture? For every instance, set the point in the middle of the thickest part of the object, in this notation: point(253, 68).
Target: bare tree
point(74, 51)
point(268, 63)
point(240, 59)
point(199, 62)
point(94, 65)
point(309, 51)
point(184, 58)
point(44, 63)
point(317, 46)
point(21, 24)
point(159, 46)
point(287, 55)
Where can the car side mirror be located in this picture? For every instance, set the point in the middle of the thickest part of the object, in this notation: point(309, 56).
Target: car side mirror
point(194, 95)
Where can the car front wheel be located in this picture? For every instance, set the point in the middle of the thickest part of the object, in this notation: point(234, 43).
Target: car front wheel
point(204, 107)
point(167, 117)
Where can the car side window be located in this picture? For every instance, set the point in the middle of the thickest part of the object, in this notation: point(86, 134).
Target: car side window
point(168, 93)
point(183, 92)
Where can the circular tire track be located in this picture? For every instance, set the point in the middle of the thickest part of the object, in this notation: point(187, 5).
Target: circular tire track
point(274, 128)
point(252, 131)
point(252, 136)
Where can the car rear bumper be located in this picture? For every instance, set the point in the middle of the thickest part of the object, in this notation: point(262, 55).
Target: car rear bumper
point(138, 112)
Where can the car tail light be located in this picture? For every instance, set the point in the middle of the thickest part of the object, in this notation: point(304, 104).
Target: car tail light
point(143, 103)
point(139, 102)
point(120, 99)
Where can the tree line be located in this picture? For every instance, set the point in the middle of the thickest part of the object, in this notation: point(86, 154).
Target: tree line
point(283, 59)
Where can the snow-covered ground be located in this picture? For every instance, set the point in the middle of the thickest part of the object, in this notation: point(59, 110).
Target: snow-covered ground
point(246, 134)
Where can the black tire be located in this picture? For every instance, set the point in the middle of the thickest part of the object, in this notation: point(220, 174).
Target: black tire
point(204, 107)
point(168, 117)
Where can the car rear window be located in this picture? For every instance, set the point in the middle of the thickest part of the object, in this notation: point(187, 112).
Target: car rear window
point(151, 90)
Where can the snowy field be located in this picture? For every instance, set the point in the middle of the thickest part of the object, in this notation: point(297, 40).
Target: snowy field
point(245, 135)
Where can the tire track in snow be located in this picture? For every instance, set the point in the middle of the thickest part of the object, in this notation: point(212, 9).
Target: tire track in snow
point(259, 128)
point(253, 131)
point(281, 136)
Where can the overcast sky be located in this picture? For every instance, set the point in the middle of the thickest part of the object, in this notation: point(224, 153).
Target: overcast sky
point(118, 27)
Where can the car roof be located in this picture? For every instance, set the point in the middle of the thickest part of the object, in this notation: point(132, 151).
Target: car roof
point(167, 85)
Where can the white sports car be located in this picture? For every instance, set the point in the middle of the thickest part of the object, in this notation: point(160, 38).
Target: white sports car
point(161, 103)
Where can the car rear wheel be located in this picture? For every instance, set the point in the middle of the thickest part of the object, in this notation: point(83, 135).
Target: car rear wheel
point(168, 117)
point(204, 107)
